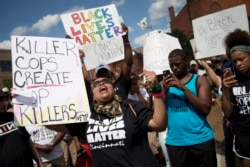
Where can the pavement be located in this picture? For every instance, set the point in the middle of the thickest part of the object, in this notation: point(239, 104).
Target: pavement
point(220, 154)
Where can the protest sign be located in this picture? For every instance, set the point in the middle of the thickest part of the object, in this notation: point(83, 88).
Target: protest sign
point(92, 25)
point(210, 30)
point(156, 48)
point(48, 81)
point(106, 51)
point(97, 32)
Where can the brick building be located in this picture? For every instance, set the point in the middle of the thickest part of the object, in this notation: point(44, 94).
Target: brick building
point(198, 8)
point(5, 68)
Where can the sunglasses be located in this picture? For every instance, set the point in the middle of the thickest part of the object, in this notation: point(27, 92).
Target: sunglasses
point(104, 81)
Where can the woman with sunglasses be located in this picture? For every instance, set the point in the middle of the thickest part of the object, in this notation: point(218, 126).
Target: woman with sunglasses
point(117, 129)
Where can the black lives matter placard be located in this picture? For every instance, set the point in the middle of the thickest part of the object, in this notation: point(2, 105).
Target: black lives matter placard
point(48, 81)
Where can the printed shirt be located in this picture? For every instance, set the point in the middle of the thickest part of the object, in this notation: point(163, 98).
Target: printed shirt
point(240, 96)
point(121, 141)
point(14, 148)
point(42, 135)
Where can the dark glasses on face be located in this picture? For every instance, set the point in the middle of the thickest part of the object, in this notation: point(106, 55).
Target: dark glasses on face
point(104, 81)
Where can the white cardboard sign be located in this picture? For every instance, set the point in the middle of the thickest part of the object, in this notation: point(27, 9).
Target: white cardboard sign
point(156, 48)
point(48, 81)
point(210, 30)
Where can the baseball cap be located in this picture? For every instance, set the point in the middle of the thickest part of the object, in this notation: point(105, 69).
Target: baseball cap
point(208, 62)
point(193, 62)
point(101, 66)
point(5, 89)
point(217, 59)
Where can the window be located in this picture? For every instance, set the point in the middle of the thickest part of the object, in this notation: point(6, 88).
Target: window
point(5, 66)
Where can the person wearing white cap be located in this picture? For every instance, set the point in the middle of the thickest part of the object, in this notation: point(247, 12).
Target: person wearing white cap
point(103, 69)
point(121, 84)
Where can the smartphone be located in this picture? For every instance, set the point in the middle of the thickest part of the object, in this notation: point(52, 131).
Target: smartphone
point(166, 73)
point(230, 73)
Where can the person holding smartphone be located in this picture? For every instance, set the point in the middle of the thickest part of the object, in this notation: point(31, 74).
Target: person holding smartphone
point(236, 92)
point(190, 139)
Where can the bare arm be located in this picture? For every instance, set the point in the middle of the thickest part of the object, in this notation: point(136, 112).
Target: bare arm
point(159, 119)
point(35, 153)
point(228, 81)
point(47, 148)
point(211, 74)
point(84, 69)
point(58, 138)
point(126, 69)
point(202, 102)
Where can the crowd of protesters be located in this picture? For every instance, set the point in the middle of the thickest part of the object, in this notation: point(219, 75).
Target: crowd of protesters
point(130, 108)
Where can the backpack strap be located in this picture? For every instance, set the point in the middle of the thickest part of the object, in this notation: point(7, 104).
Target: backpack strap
point(131, 107)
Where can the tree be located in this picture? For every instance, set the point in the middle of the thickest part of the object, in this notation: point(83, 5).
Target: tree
point(184, 42)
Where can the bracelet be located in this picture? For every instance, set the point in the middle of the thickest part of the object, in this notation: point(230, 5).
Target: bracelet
point(157, 88)
point(159, 94)
point(126, 43)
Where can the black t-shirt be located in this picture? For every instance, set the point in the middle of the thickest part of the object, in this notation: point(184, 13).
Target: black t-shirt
point(14, 148)
point(121, 141)
point(240, 96)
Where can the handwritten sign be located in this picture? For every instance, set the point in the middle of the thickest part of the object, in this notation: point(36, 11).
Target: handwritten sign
point(156, 48)
point(48, 81)
point(106, 51)
point(92, 25)
point(210, 30)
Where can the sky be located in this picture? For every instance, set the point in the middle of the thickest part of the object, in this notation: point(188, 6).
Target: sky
point(42, 17)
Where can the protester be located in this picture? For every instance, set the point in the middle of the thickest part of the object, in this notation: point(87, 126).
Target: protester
point(190, 139)
point(215, 80)
point(7, 91)
point(121, 86)
point(218, 65)
point(136, 92)
point(228, 122)
point(16, 148)
point(117, 129)
point(48, 144)
point(195, 68)
point(235, 92)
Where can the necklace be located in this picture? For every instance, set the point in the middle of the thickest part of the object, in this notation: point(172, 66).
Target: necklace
point(111, 121)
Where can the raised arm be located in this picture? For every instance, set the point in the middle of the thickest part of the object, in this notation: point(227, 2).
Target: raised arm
point(228, 81)
point(159, 120)
point(211, 74)
point(126, 68)
point(84, 69)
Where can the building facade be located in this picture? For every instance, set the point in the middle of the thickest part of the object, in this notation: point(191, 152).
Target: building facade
point(5, 68)
point(198, 8)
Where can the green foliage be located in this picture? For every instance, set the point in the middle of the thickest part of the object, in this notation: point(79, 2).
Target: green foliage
point(184, 42)
point(7, 83)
